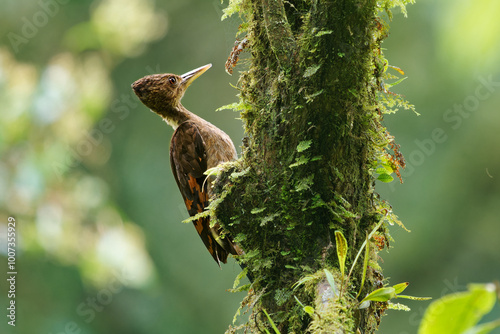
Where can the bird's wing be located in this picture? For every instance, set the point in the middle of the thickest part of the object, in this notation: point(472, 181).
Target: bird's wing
point(188, 160)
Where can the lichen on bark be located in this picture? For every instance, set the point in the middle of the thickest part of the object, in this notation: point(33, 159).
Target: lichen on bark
point(309, 105)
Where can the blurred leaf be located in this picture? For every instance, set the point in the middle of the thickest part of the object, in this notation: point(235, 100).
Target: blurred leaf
point(484, 328)
point(473, 45)
point(458, 312)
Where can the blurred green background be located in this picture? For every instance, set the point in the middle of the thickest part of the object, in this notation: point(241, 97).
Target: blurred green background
point(85, 170)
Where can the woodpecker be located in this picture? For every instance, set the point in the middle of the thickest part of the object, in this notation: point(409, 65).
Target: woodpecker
point(196, 146)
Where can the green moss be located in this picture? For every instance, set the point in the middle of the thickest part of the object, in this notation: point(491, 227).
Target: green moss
point(312, 109)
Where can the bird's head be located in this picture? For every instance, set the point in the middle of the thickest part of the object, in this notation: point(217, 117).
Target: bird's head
point(163, 92)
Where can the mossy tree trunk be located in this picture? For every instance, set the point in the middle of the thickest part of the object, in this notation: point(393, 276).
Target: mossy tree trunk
point(312, 118)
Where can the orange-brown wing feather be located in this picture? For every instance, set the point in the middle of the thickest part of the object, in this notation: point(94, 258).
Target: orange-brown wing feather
point(188, 160)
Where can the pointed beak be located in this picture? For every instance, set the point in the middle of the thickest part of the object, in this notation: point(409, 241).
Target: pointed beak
point(189, 77)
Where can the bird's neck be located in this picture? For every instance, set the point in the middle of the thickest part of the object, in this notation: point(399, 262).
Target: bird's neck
point(175, 115)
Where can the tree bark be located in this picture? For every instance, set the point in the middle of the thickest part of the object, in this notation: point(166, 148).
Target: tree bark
point(312, 118)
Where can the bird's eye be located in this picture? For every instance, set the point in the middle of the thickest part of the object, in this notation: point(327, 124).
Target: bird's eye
point(172, 80)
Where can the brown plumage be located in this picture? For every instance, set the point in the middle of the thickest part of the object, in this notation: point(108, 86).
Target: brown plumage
point(196, 146)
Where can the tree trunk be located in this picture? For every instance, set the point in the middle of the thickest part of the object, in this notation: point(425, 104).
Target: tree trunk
point(312, 118)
